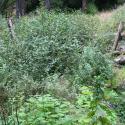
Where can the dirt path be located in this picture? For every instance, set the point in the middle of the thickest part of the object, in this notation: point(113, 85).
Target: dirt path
point(103, 16)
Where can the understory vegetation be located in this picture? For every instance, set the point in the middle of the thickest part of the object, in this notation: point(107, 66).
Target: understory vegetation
point(57, 70)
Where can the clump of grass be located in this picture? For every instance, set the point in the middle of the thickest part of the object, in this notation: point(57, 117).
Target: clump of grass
point(119, 78)
point(91, 8)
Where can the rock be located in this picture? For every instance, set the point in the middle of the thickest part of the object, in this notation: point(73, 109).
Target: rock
point(120, 60)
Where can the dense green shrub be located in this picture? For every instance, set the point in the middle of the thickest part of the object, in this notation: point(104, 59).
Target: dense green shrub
point(120, 109)
point(48, 44)
point(119, 83)
point(57, 3)
point(96, 110)
point(58, 27)
point(91, 8)
point(4, 4)
point(53, 43)
point(44, 45)
point(45, 110)
point(93, 63)
point(49, 110)
point(60, 87)
point(4, 30)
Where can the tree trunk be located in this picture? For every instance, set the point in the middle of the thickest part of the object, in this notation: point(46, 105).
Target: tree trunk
point(17, 9)
point(20, 8)
point(47, 4)
point(84, 5)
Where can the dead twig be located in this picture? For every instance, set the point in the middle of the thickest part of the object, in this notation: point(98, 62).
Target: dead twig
point(11, 30)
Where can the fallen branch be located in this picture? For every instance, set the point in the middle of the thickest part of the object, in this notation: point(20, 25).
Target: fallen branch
point(117, 53)
point(10, 25)
point(120, 60)
point(118, 36)
point(123, 34)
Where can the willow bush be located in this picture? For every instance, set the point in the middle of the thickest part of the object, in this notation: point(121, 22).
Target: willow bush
point(50, 43)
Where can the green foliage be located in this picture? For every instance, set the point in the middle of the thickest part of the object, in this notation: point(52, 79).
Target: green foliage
point(91, 8)
point(47, 44)
point(50, 50)
point(120, 1)
point(4, 4)
point(4, 31)
point(97, 111)
point(120, 109)
point(60, 87)
point(45, 110)
point(119, 78)
point(92, 64)
point(119, 84)
point(49, 110)
point(57, 3)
